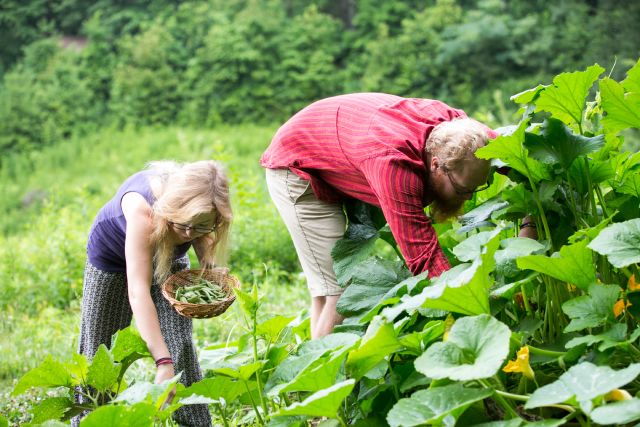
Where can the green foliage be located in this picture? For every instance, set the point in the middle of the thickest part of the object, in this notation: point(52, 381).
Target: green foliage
point(475, 349)
point(433, 405)
point(145, 86)
point(44, 100)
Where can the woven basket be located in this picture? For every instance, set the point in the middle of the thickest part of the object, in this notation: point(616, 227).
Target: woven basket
point(200, 311)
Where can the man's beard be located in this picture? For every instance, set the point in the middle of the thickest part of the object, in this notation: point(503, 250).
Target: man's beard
point(442, 210)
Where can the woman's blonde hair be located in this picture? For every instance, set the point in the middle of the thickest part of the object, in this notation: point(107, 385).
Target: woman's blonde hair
point(456, 141)
point(184, 191)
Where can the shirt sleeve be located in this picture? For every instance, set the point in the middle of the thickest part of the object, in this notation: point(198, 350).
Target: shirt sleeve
point(399, 191)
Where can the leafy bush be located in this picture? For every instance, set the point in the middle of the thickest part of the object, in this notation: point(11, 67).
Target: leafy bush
point(44, 99)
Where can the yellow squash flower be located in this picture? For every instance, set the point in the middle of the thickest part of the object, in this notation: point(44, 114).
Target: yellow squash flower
point(619, 307)
point(521, 364)
point(617, 394)
point(632, 285)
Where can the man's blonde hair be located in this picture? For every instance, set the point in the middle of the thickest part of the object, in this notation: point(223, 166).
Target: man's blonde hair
point(184, 191)
point(455, 142)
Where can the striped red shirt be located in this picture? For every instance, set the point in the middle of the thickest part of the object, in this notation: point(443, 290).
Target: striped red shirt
point(370, 146)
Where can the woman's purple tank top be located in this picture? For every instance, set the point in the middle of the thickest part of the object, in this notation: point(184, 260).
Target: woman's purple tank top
point(105, 247)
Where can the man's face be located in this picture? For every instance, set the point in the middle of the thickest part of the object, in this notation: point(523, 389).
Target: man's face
point(451, 188)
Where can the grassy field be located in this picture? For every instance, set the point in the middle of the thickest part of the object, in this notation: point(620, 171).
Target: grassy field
point(46, 208)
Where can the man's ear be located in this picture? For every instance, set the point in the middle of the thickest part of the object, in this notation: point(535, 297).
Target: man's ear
point(435, 164)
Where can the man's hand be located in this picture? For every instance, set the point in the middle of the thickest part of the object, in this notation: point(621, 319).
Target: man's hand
point(529, 232)
point(166, 372)
point(528, 228)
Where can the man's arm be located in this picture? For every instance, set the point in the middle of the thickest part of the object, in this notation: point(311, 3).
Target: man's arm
point(400, 191)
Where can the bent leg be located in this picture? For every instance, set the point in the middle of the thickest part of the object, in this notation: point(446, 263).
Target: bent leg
point(105, 310)
point(315, 226)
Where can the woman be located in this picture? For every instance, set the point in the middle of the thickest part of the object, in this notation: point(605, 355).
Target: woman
point(137, 240)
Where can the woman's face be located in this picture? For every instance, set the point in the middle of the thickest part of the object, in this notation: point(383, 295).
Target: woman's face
point(198, 226)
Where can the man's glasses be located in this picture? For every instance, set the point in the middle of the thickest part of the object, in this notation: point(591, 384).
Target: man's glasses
point(462, 191)
point(197, 229)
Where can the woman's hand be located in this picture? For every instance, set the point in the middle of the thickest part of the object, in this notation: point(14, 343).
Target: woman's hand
point(166, 372)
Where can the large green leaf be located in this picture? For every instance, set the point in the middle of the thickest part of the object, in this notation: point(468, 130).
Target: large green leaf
point(215, 388)
point(518, 422)
point(371, 280)
point(472, 247)
point(623, 110)
point(510, 149)
point(528, 95)
point(476, 349)
point(632, 82)
point(50, 373)
point(590, 311)
point(320, 374)
point(305, 359)
point(379, 341)
point(272, 327)
point(140, 415)
point(323, 403)
point(417, 341)
point(356, 246)
point(241, 372)
point(146, 392)
point(612, 338)
point(620, 243)
point(433, 405)
point(585, 382)
point(557, 144)
point(630, 185)
point(618, 413)
point(521, 202)
point(465, 289)
point(512, 249)
point(103, 372)
point(249, 302)
point(401, 290)
point(52, 408)
point(573, 264)
point(566, 97)
point(127, 342)
point(480, 215)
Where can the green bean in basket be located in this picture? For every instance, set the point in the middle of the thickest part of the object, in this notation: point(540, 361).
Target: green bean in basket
point(202, 292)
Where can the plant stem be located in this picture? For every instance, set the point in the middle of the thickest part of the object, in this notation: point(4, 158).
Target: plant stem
point(222, 415)
point(525, 300)
point(524, 398)
point(253, 404)
point(592, 199)
point(549, 353)
point(572, 205)
point(605, 213)
point(254, 329)
point(542, 215)
point(506, 405)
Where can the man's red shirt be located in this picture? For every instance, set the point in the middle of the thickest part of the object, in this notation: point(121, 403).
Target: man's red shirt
point(370, 146)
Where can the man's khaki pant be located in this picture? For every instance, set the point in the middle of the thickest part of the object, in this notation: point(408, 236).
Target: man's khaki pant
point(315, 226)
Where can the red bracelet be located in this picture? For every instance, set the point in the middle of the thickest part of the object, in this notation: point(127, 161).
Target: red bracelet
point(164, 361)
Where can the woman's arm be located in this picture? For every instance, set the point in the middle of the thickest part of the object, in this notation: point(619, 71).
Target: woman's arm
point(139, 258)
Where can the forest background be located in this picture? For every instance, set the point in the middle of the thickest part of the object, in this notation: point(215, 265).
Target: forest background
point(92, 90)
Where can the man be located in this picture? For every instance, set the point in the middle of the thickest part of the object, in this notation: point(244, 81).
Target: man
point(395, 153)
